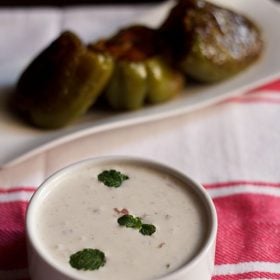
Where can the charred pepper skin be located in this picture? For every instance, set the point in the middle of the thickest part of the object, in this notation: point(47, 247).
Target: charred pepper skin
point(211, 43)
point(141, 74)
point(61, 83)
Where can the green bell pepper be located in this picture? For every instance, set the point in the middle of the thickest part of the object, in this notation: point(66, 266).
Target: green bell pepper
point(62, 82)
point(141, 74)
point(211, 43)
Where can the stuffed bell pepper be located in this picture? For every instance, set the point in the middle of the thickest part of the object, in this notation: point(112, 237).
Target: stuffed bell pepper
point(62, 82)
point(141, 73)
point(210, 43)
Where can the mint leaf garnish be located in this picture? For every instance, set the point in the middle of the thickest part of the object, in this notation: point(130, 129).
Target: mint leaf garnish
point(87, 259)
point(130, 221)
point(147, 229)
point(136, 222)
point(112, 178)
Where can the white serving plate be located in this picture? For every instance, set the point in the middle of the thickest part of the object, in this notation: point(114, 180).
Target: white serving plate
point(18, 141)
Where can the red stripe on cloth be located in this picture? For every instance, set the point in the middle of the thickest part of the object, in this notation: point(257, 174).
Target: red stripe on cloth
point(255, 99)
point(239, 183)
point(273, 86)
point(260, 99)
point(18, 189)
point(249, 229)
point(274, 94)
point(12, 237)
point(250, 275)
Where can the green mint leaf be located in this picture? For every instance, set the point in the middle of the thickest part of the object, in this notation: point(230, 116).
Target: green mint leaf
point(147, 229)
point(130, 221)
point(87, 259)
point(112, 178)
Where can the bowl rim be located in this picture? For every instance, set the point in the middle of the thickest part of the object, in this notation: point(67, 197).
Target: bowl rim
point(42, 191)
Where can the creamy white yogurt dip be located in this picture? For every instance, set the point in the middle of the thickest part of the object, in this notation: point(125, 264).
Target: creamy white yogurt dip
point(81, 212)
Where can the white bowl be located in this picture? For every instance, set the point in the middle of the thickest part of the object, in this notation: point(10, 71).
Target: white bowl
point(43, 266)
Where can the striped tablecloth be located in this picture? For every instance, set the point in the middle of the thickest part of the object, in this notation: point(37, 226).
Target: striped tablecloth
point(232, 148)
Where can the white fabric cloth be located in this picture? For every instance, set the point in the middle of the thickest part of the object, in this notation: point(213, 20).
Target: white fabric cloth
point(231, 141)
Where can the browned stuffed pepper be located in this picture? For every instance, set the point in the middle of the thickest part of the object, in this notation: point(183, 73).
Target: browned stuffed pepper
point(141, 74)
point(62, 82)
point(211, 43)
